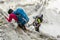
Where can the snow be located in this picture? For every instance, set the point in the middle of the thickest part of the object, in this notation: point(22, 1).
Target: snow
point(54, 4)
point(51, 22)
point(51, 29)
point(52, 16)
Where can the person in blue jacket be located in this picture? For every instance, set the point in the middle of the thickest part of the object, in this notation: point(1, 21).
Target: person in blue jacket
point(19, 16)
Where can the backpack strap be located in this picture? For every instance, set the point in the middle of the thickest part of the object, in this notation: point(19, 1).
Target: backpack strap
point(24, 19)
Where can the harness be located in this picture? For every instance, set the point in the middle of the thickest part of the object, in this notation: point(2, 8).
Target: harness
point(38, 20)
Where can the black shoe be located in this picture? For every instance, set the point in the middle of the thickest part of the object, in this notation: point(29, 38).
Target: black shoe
point(37, 29)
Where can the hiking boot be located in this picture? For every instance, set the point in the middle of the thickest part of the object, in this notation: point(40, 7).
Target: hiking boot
point(37, 29)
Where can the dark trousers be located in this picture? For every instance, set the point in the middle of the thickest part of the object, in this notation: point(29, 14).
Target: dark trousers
point(22, 26)
point(37, 27)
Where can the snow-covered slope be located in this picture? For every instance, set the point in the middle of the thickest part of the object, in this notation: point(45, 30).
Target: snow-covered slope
point(8, 32)
point(51, 17)
point(48, 29)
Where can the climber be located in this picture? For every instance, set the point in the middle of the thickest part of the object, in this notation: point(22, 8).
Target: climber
point(37, 22)
point(19, 16)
